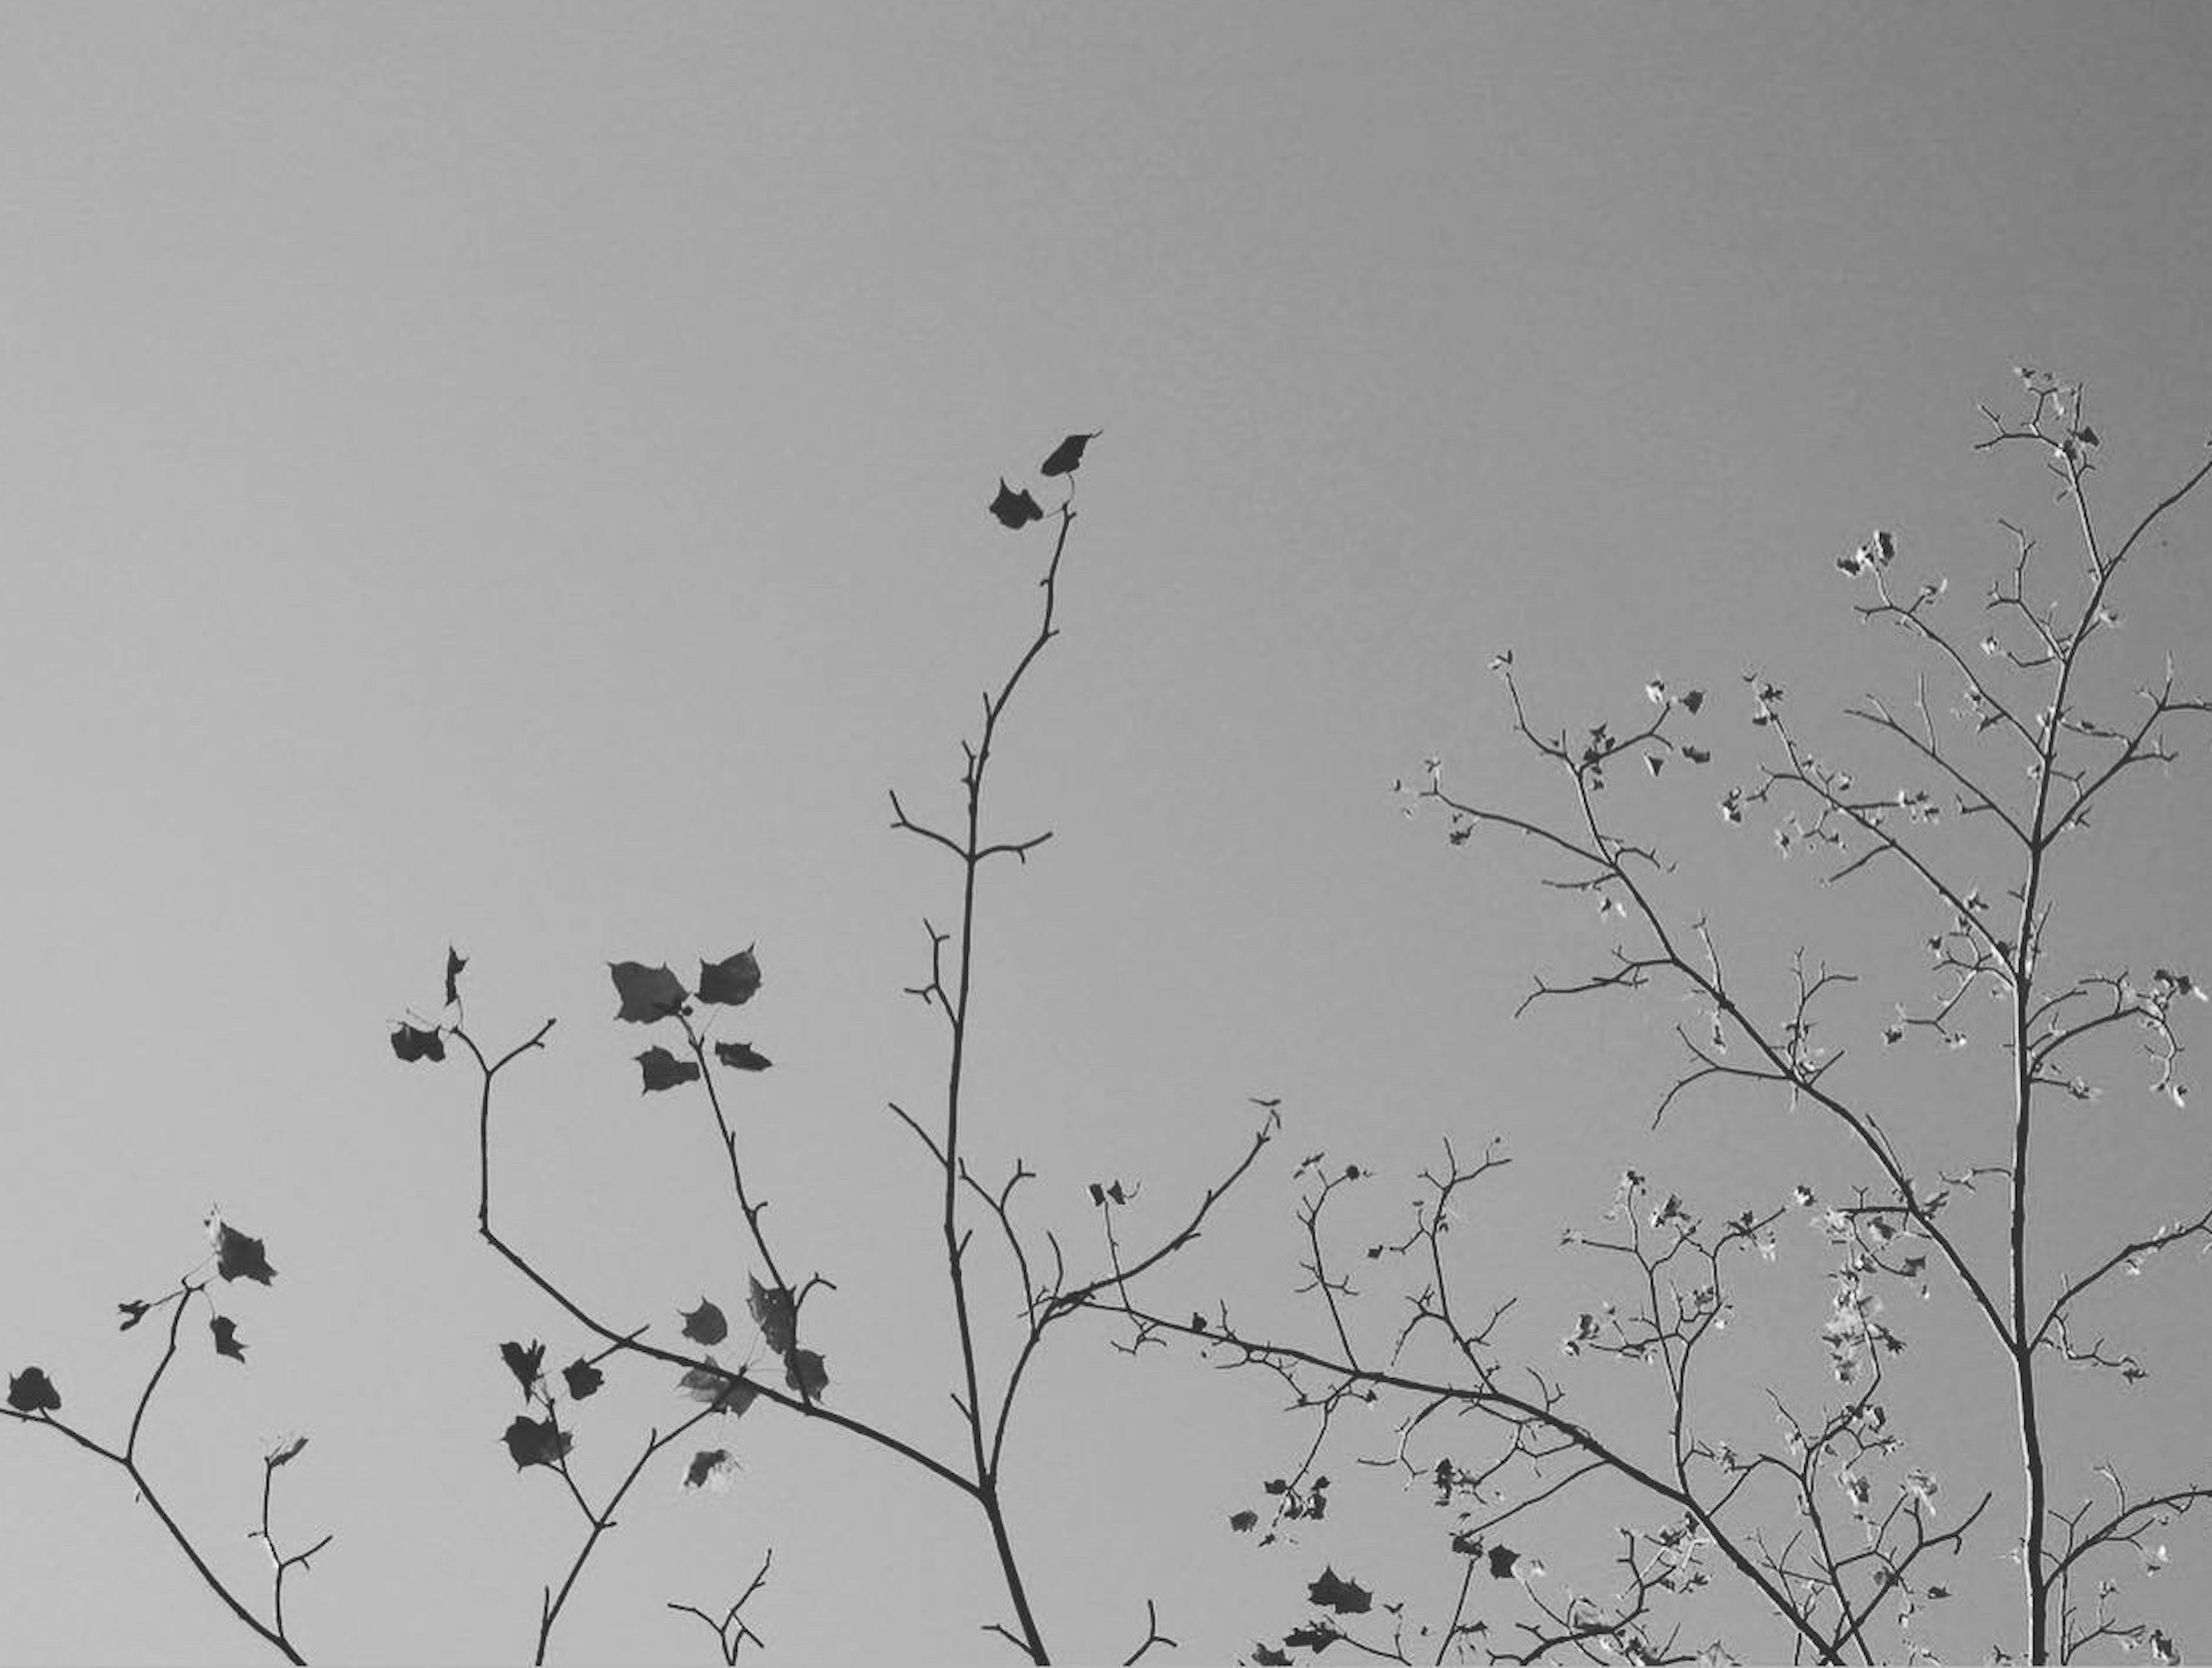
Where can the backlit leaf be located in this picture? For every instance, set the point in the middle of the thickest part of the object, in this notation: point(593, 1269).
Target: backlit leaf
point(804, 1372)
point(725, 1392)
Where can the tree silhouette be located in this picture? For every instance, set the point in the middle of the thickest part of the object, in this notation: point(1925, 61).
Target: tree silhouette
point(1827, 1540)
point(1690, 1513)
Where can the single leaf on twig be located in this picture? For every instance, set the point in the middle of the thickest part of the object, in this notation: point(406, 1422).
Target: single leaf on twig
point(412, 1042)
point(536, 1442)
point(524, 1363)
point(647, 993)
point(1068, 457)
point(133, 1312)
point(285, 1452)
point(804, 1372)
point(773, 1312)
point(663, 1070)
point(705, 1324)
point(583, 1378)
point(454, 962)
point(31, 1391)
point(1345, 1598)
point(1015, 510)
point(1502, 1560)
point(741, 1057)
point(226, 1337)
point(241, 1256)
point(733, 982)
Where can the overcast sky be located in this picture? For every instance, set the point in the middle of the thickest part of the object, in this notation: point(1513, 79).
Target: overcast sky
point(514, 476)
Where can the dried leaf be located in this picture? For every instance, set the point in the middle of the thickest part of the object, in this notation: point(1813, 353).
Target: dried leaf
point(285, 1452)
point(725, 1392)
point(1244, 1522)
point(226, 1337)
point(132, 1312)
point(710, 1468)
point(454, 962)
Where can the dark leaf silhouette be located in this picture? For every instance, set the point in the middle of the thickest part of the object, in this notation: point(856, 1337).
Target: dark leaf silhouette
point(705, 1323)
point(804, 1372)
point(1266, 1656)
point(286, 1452)
point(1502, 1560)
point(583, 1378)
point(723, 1391)
point(1015, 509)
point(133, 1312)
point(454, 962)
point(1068, 457)
point(774, 1313)
point(226, 1337)
point(536, 1442)
point(731, 982)
point(647, 993)
point(709, 1468)
point(1333, 1592)
point(524, 1363)
point(1467, 1543)
point(1244, 1522)
point(31, 1391)
point(412, 1042)
point(241, 1256)
point(741, 1057)
point(663, 1070)
point(1314, 1636)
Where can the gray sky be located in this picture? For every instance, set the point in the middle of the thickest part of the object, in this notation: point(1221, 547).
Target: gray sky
point(514, 476)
